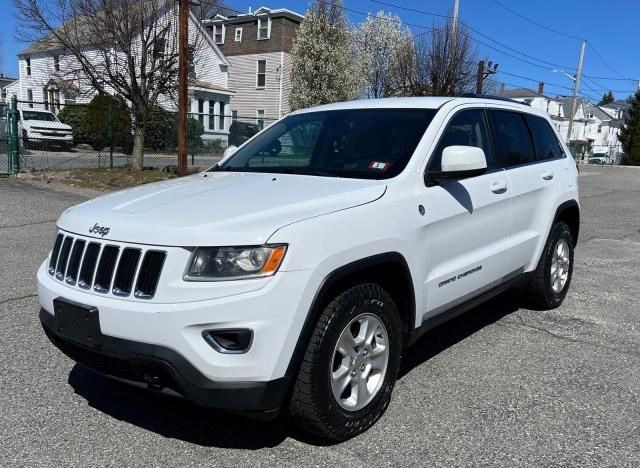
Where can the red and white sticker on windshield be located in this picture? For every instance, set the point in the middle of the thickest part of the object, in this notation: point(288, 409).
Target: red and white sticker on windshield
point(379, 165)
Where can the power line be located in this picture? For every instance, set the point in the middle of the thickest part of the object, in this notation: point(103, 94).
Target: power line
point(536, 23)
point(533, 79)
point(603, 60)
point(411, 9)
point(622, 77)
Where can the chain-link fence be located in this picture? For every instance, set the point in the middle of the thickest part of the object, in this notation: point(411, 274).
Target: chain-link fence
point(52, 136)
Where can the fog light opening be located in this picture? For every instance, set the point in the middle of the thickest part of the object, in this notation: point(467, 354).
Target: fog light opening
point(229, 341)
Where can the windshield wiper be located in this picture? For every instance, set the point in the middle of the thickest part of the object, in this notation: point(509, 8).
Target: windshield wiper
point(304, 171)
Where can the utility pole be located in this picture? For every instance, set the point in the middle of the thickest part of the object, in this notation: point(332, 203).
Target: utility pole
point(480, 78)
point(576, 90)
point(456, 9)
point(183, 83)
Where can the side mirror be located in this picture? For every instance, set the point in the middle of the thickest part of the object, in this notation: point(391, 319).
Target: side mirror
point(228, 153)
point(459, 162)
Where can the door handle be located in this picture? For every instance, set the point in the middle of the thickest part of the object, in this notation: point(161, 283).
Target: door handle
point(547, 175)
point(499, 187)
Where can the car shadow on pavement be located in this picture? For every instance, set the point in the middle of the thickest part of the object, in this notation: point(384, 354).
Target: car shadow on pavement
point(174, 417)
point(455, 330)
point(180, 419)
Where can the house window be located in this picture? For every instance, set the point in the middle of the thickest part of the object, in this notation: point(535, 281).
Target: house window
point(599, 129)
point(264, 28)
point(28, 62)
point(238, 35)
point(201, 110)
point(221, 116)
point(30, 97)
point(212, 115)
point(261, 75)
point(218, 33)
point(56, 63)
point(192, 65)
point(159, 45)
point(260, 119)
point(234, 115)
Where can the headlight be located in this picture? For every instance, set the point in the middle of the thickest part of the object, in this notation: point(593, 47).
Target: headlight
point(223, 263)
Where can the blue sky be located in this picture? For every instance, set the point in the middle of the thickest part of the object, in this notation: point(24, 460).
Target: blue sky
point(611, 32)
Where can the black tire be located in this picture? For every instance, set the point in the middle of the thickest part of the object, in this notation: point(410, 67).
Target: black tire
point(541, 291)
point(313, 408)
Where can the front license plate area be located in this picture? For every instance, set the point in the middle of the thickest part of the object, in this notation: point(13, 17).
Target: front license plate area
point(77, 322)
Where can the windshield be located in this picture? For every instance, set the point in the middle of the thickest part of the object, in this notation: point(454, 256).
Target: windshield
point(35, 115)
point(356, 143)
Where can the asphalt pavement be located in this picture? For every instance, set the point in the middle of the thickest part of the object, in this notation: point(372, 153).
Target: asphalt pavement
point(500, 385)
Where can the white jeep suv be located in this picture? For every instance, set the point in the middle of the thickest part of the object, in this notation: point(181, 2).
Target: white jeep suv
point(292, 275)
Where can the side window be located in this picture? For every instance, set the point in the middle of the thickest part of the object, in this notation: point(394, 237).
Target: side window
point(467, 128)
point(544, 138)
point(513, 142)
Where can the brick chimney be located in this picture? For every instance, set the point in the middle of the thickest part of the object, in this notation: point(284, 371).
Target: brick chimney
point(540, 88)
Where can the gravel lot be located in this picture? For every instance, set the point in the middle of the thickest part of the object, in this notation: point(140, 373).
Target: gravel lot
point(499, 385)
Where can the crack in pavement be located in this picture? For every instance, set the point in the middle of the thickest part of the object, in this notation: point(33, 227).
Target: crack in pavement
point(27, 224)
point(11, 299)
point(523, 324)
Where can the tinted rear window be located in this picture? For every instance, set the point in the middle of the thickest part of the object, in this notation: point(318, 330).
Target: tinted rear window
point(513, 142)
point(544, 138)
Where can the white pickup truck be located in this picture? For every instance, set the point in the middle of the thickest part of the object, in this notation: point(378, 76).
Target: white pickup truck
point(40, 128)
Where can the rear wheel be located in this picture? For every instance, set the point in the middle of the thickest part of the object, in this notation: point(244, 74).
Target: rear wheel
point(350, 366)
point(555, 268)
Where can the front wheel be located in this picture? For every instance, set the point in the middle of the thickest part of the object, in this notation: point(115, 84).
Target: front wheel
point(350, 365)
point(555, 268)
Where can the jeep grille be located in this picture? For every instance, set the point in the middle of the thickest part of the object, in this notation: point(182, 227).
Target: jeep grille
point(106, 268)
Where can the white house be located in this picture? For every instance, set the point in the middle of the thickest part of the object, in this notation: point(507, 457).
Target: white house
point(46, 81)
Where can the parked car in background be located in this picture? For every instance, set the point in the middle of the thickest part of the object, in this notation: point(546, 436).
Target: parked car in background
point(599, 159)
point(41, 128)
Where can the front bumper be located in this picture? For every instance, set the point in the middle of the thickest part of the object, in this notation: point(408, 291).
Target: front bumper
point(164, 370)
point(169, 337)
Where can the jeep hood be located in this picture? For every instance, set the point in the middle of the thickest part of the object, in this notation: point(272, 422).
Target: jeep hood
point(216, 208)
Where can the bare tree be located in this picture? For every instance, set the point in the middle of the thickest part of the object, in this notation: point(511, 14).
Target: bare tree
point(451, 60)
point(436, 63)
point(126, 47)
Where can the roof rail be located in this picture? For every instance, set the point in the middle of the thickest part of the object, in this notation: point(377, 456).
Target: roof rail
point(488, 96)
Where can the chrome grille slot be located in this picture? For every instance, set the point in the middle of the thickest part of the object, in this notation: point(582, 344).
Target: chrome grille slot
point(61, 266)
point(106, 267)
point(54, 254)
point(74, 262)
point(149, 274)
point(88, 265)
point(126, 272)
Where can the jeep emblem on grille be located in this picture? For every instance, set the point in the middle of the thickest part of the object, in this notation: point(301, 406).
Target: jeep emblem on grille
point(100, 230)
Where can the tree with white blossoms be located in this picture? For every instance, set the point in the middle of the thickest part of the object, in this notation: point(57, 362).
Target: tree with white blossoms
point(323, 69)
point(378, 43)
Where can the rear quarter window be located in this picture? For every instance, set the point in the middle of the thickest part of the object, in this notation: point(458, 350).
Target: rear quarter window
point(545, 140)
